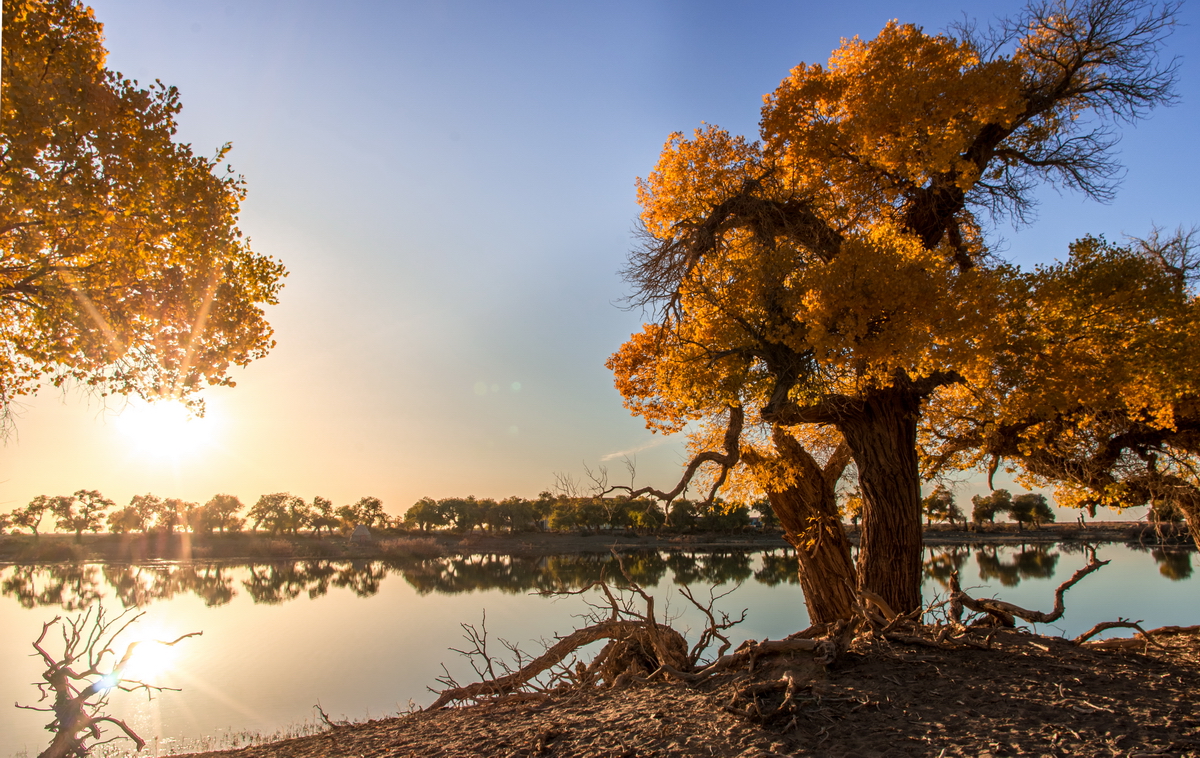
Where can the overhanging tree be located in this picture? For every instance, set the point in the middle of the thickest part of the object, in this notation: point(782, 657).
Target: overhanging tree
point(1099, 396)
point(836, 274)
point(122, 268)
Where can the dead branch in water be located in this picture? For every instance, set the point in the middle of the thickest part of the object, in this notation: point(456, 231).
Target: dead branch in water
point(1005, 614)
point(79, 680)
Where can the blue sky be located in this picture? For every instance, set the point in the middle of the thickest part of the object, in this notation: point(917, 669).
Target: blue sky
point(451, 185)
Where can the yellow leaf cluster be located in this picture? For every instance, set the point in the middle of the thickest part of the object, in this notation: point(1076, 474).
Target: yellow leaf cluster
point(905, 106)
point(121, 264)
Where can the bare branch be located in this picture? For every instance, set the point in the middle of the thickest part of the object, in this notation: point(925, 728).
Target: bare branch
point(726, 460)
point(1004, 612)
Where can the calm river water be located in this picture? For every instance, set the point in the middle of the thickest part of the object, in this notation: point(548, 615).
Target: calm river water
point(366, 639)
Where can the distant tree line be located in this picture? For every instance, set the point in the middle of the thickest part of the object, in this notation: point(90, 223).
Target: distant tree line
point(277, 513)
point(567, 513)
point(282, 513)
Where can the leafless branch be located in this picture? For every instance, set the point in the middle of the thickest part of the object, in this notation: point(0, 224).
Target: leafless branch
point(1005, 612)
point(726, 460)
point(79, 695)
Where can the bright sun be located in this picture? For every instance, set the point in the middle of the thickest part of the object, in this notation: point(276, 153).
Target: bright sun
point(151, 660)
point(165, 429)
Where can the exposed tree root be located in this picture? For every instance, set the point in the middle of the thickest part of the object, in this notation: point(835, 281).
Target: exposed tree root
point(632, 643)
point(769, 681)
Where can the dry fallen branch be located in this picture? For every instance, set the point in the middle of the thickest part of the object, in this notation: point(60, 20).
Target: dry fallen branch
point(639, 647)
point(1006, 613)
point(79, 681)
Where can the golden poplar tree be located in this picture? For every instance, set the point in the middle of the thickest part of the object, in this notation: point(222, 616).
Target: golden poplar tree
point(122, 268)
point(834, 274)
point(1098, 392)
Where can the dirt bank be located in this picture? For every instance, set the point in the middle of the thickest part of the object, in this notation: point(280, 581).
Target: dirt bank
point(1026, 696)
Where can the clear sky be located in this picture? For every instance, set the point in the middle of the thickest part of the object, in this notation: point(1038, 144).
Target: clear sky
point(451, 185)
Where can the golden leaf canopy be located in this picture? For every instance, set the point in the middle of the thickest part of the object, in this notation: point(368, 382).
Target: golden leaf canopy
point(121, 264)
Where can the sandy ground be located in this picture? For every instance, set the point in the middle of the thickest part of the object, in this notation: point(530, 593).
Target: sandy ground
point(1028, 695)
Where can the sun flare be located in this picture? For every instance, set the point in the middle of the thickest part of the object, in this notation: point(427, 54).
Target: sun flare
point(151, 660)
point(165, 429)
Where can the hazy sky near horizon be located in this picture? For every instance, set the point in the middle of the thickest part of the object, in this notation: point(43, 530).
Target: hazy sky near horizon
point(451, 185)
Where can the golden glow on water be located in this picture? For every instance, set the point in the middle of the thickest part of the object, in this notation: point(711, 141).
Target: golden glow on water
point(166, 430)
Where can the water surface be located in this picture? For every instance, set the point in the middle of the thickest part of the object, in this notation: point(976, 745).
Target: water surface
point(366, 638)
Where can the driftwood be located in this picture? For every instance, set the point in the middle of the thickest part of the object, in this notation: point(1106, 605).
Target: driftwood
point(79, 680)
point(1006, 613)
point(1141, 640)
point(639, 647)
point(558, 652)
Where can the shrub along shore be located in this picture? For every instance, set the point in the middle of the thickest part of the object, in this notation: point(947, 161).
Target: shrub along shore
point(389, 543)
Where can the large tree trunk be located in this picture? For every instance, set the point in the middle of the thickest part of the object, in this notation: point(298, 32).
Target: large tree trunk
point(1190, 505)
point(882, 433)
point(807, 509)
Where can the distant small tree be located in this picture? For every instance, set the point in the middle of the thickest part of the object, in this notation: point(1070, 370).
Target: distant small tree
point(766, 514)
point(464, 513)
point(987, 507)
point(565, 514)
point(177, 513)
point(1031, 508)
point(150, 510)
point(682, 514)
point(370, 512)
point(124, 520)
point(490, 514)
point(5, 521)
point(593, 513)
point(271, 511)
point(720, 516)
point(852, 506)
point(81, 512)
point(939, 505)
point(518, 514)
point(425, 513)
point(323, 515)
point(30, 517)
point(299, 514)
point(220, 513)
point(543, 507)
point(644, 513)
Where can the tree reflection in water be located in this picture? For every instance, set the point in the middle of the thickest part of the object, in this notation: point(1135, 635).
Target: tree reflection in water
point(1029, 562)
point(70, 586)
point(75, 586)
point(137, 585)
point(941, 562)
point(778, 568)
point(1173, 564)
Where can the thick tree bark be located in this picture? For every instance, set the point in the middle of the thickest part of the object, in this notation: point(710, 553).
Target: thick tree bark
point(882, 433)
point(807, 510)
point(1191, 516)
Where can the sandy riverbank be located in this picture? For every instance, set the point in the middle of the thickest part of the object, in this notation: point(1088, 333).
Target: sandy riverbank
point(1025, 696)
